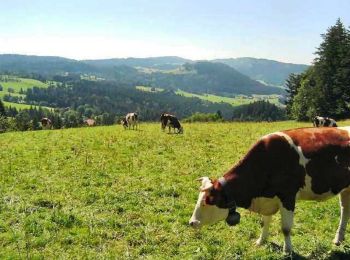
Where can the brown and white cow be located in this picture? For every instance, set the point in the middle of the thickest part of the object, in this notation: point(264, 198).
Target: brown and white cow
point(282, 167)
point(46, 123)
point(130, 120)
point(319, 121)
point(172, 122)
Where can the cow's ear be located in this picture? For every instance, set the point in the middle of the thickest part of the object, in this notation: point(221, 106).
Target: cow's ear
point(207, 187)
point(206, 184)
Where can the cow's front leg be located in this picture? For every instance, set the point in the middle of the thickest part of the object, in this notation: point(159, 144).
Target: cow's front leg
point(344, 201)
point(265, 230)
point(287, 223)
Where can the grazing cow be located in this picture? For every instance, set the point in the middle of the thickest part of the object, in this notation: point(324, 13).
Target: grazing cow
point(46, 123)
point(320, 121)
point(282, 167)
point(131, 119)
point(172, 122)
point(89, 122)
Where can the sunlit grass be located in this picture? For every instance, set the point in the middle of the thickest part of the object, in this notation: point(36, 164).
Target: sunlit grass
point(106, 192)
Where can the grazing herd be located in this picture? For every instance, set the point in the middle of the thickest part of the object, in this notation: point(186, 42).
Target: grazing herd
point(279, 169)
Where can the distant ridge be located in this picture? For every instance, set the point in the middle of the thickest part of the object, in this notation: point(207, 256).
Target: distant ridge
point(270, 71)
point(238, 76)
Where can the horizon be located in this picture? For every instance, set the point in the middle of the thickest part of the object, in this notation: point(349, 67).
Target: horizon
point(90, 30)
point(150, 57)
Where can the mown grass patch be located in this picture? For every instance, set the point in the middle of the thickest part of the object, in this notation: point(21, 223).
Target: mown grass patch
point(106, 192)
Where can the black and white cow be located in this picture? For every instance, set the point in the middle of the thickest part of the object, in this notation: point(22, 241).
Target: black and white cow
point(320, 121)
point(172, 122)
point(282, 167)
point(46, 123)
point(130, 120)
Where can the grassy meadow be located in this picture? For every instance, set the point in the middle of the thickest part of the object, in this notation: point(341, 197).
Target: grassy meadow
point(106, 192)
point(17, 84)
point(234, 101)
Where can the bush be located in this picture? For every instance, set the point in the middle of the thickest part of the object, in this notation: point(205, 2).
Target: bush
point(204, 117)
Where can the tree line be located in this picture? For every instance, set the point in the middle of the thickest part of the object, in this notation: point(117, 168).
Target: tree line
point(324, 89)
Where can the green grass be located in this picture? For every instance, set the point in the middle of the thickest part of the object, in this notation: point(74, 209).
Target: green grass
point(106, 192)
point(149, 89)
point(23, 83)
point(17, 84)
point(22, 106)
point(234, 101)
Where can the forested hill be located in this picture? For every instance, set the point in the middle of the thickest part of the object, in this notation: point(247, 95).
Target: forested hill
point(43, 65)
point(210, 77)
point(93, 98)
point(163, 63)
point(200, 77)
point(269, 71)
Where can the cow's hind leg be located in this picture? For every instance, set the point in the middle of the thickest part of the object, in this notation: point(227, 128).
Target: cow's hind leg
point(287, 223)
point(344, 201)
point(265, 230)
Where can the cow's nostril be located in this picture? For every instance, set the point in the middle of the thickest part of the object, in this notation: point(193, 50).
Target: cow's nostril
point(191, 223)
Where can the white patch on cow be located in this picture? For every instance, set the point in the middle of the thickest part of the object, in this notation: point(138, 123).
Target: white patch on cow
point(344, 201)
point(302, 159)
point(204, 214)
point(287, 217)
point(265, 230)
point(265, 206)
point(306, 192)
point(345, 128)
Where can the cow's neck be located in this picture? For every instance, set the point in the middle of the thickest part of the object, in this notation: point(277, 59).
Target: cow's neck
point(240, 185)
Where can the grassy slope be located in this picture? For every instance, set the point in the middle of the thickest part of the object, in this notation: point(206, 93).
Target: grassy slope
point(23, 83)
point(106, 192)
point(236, 101)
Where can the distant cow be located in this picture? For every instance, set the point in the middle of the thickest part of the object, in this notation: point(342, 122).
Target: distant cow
point(130, 120)
point(282, 167)
point(90, 122)
point(46, 123)
point(170, 121)
point(320, 121)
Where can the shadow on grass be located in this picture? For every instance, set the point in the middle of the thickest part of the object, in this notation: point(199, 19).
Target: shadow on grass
point(339, 255)
point(334, 254)
point(294, 255)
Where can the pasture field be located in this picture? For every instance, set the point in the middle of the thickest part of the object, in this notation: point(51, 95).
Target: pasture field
point(234, 101)
point(17, 84)
point(106, 192)
point(23, 83)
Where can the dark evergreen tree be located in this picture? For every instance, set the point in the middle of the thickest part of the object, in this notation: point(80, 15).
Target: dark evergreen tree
point(332, 71)
point(292, 85)
point(2, 109)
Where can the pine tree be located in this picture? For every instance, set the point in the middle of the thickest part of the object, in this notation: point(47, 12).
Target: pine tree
point(332, 70)
point(2, 109)
point(292, 85)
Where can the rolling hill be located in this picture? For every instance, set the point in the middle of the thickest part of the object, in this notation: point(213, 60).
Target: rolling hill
point(211, 77)
point(199, 77)
point(269, 71)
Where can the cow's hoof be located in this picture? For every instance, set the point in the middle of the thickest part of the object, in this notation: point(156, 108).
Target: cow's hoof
point(337, 242)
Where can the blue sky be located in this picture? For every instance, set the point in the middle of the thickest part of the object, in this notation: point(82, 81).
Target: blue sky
point(287, 31)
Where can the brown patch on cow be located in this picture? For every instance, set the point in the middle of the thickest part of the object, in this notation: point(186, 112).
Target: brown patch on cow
point(270, 168)
point(329, 152)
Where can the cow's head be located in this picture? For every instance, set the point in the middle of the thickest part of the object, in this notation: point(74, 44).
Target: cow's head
point(181, 130)
point(205, 211)
point(124, 122)
point(164, 120)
